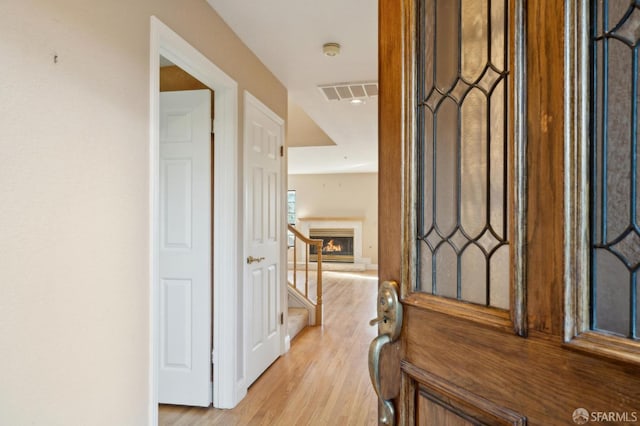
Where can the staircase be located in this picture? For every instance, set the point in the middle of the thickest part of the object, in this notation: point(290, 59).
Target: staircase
point(298, 319)
point(305, 290)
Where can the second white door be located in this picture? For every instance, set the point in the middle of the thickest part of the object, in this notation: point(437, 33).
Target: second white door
point(264, 134)
point(184, 375)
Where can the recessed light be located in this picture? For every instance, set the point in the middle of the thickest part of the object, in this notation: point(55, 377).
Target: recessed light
point(356, 101)
point(331, 49)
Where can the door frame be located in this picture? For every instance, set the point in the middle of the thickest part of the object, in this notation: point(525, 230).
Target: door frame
point(227, 387)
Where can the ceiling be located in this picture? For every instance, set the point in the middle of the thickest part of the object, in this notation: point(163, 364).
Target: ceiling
point(287, 36)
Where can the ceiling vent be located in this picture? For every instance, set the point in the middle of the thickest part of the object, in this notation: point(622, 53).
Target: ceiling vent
point(349, 91)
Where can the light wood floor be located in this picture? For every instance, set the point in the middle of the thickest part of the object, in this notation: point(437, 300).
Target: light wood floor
point(322, 380)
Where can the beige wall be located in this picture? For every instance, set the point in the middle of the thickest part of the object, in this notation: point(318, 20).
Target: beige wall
point(341, 195)
point(74, 256)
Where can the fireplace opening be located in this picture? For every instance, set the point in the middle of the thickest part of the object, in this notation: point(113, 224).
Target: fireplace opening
point(337, 244)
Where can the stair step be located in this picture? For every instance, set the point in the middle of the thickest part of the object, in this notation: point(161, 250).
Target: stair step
point(298, 318)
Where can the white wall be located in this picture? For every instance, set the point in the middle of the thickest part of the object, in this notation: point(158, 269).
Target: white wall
point(74, 179)
point(341, 195)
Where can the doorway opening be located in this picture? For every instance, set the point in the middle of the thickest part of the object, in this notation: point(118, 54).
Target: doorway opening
point(227, 361)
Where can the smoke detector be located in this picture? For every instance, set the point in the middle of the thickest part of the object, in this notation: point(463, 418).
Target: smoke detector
point(331, 49)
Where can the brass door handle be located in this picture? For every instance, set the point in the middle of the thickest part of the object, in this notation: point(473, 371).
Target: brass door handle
point(252, 259)
point(389, 414)
point(389, 322)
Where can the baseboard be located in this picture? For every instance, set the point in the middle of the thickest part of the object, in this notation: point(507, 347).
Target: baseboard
point(287, 344)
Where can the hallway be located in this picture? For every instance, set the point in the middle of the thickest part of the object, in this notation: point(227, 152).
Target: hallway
point(322, 380)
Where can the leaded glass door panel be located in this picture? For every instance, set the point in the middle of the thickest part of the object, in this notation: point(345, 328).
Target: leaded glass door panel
point(463, 151)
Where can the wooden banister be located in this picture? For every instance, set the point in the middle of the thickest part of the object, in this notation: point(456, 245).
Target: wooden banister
point(318, 244)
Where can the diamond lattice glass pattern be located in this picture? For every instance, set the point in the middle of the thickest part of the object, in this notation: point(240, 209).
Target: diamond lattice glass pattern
point(462, 156)
point(615, 231)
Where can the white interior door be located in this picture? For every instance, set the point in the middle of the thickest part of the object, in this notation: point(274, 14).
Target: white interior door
point(263, 180)
point(185, 248)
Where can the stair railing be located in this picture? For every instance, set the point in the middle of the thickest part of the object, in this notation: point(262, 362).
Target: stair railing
point(308, 242)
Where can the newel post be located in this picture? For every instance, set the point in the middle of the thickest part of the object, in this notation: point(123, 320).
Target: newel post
point(319, 306)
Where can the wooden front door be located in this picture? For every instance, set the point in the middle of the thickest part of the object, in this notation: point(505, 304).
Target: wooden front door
point(508, 210)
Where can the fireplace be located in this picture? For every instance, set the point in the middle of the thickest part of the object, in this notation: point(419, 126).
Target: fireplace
point(337, 244)
point(352, 225)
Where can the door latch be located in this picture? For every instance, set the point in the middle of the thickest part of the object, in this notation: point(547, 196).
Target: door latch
point(389, 321)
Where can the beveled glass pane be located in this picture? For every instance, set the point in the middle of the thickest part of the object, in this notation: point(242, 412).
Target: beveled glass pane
point(446, 166)
point(427, 172)
point(616, 10)
point(627, 28)
point(498, 162)
point(498, 34)
point(627, 248)
point(473, 209)
point(447, 28)
point(429, 43)
point(446, 272)
point(615, 254)
point(612, 293)
point(618, 137)
point(426, 269)
point(500, 278)
point(474, 38)
point(597, 137)
point(474, 275)
point(636, 283)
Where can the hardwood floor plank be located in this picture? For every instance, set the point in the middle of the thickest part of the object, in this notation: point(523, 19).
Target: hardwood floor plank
point(322, 380)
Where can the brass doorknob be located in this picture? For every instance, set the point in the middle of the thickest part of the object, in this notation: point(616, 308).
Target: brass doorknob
point(252, 259)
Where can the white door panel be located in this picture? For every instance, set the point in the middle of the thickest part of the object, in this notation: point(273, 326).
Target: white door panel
point(271, 325)
point(176, 194)
point(185, 248)
point(263, 195)
point(175, 300)
point(258, 307)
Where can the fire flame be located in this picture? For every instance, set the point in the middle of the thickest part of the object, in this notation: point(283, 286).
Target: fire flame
point(331, 247)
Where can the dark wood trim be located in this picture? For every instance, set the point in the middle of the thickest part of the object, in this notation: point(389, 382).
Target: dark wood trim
point(481, 315)
point(390, 135)
point(545, 153)
point(390, 154)
point(612, 348)
point(460, 401)
point(537, 376)
point(407, 401)
point(409, 172)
